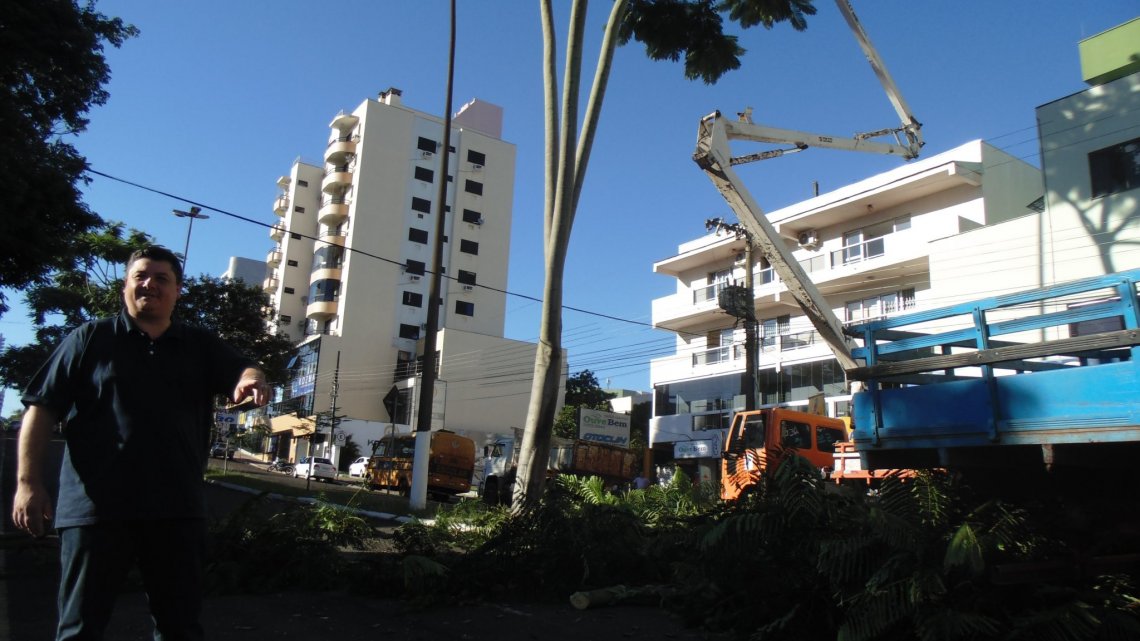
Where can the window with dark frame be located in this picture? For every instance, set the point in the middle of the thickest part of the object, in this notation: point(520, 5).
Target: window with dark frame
point(299, 209)
point(291, 263)
point(416, 267)
point(421, 204)
point(417, 235)
point(426, 144)
point(465, 307)
point(473, 187)
point(424, 174)
point(1115, 169)
point(285, 319)
point(476, 157)
point(409, 331)
point(469, 247)
point(302, 183)
point(289, 290)
point(295, 235)
point(466, 278)
point(414, 299)
point(472, 216)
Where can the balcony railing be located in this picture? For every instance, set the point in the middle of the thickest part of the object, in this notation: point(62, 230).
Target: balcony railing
point(789, 342)
point(718, 355)
point(705, 294)
point(873, 248)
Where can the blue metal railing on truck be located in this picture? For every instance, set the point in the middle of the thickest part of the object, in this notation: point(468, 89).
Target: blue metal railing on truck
point(964, 378)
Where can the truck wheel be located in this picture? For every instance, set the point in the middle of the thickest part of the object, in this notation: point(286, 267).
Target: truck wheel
point(491, 492)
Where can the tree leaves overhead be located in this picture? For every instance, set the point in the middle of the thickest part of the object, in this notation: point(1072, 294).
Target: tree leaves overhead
point(670, 29)
point(53, 72)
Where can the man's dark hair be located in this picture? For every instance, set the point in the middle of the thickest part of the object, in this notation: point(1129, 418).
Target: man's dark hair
point(158, 252)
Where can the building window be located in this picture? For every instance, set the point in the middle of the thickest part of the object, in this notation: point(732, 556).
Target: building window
point(1115, 169)
point(476, 157)
point(409, 331)
point(466, 277)
point(299, 209)
point(472, 216)
point(464, 308)
point(328, 257)
point(417, 235)
point(421, 204)
point(285, 320)
point(302, 183)
point(294, 235)
point(415, 267)
point(469, 247)
point(289, 290)
point(291, 263)
point(874, 307)
point(324, 291)
point(474, 187)
point(426, 144)
point(414, 299)
point(424, 174)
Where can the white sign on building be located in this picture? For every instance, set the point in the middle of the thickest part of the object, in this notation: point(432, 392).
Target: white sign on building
point(603, 427)
point(695, 449)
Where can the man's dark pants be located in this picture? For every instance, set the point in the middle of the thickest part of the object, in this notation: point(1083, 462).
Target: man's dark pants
point(169, 554)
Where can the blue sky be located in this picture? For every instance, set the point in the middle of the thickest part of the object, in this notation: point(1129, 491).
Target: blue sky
point(214, 100)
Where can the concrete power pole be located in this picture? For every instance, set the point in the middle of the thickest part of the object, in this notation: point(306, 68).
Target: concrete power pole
point(739, 303)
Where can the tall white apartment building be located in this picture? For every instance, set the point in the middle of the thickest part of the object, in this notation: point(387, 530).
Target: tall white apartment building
point(350, 266)
point(965, 224)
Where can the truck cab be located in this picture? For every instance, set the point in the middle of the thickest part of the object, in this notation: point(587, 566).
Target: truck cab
point(759, 440)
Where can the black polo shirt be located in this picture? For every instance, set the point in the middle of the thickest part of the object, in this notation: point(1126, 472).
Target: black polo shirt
point(137, 416)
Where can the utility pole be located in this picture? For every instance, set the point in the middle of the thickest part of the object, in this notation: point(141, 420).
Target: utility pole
point(739, 302)
point(195, 212)
point(418, 491)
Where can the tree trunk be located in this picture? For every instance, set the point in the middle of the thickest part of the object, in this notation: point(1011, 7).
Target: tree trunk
point(565, 171)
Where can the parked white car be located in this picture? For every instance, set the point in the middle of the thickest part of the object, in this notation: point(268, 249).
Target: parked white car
point(357, 467)
point(322, 468)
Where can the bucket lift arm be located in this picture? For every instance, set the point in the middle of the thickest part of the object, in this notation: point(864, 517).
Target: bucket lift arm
point(714, 157)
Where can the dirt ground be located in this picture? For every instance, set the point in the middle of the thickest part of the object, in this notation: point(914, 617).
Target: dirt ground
point(29, 575)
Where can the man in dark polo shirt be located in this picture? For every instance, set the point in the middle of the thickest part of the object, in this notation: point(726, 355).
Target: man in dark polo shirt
point(135, 395)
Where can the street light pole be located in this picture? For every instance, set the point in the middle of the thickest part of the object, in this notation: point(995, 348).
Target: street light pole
point(195, 212)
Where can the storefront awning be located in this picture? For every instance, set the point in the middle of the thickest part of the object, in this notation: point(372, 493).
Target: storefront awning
point(290, 423)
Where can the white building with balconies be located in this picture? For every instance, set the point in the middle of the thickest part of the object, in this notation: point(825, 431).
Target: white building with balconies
point(873, 248)
point(350, 268)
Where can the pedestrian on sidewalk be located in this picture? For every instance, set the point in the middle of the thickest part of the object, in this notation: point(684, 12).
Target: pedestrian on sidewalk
point(135, 396)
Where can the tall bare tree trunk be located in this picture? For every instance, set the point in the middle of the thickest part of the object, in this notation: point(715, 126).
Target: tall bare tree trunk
point(566, 159)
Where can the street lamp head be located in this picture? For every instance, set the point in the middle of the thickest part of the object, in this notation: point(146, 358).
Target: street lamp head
point(195, 212)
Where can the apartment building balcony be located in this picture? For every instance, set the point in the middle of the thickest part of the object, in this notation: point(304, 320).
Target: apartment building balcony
point(281, 205)
point(332, 237)
point(344, 122)
point(277, 231)
point(273, 258)
point(340, 149)
point(336, 180)
point(321, 310)
point(270, 284)
point(324, 273)
point(333, 211)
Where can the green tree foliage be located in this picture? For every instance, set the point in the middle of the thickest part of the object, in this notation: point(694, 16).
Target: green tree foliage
point(582, 390)
point(53, 72)
point(238, 313)
point(92, 288)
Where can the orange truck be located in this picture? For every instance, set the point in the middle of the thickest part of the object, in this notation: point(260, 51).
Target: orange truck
point(759, 440)
point(451, 464)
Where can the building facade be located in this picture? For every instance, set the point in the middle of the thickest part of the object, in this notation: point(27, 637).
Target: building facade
point(961, 225)
point(350, 268)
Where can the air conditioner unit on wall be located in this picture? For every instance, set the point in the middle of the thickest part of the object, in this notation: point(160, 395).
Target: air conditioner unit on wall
point(468, 288)
point(809, 238)
point(427, 154)
point(414, 277)
point(476, 167)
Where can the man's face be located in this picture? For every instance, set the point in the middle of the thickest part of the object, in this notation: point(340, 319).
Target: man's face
point(151, 289)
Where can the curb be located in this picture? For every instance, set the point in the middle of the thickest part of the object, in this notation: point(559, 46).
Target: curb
point(308, 500)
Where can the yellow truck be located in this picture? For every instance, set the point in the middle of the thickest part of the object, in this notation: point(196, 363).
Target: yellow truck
point(451, 463)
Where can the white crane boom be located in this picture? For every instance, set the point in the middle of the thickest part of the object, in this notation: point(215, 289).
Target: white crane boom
point(713, 155)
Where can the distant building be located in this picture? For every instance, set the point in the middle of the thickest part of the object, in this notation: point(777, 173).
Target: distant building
point(248, 270)
point(967, 223)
